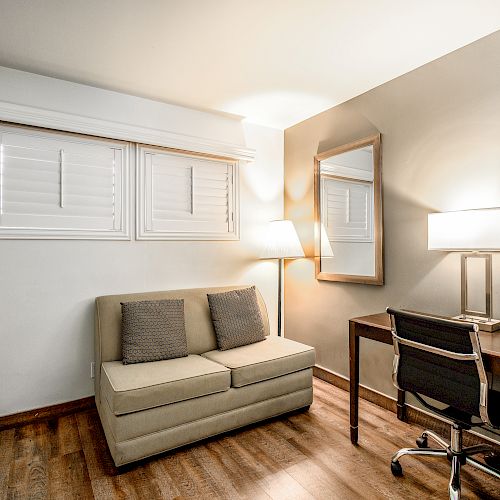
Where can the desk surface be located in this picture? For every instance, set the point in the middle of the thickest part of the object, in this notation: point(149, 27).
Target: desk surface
point(490, 342)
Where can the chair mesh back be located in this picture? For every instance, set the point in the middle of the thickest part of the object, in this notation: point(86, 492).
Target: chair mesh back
point(453, 382)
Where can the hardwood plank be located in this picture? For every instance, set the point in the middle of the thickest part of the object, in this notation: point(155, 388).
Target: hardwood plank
point(68, 476)
point(94, 446)
point(244, 462)
point(138, 483)
point(189, 476)
point(165, 484)
point(302, 455)
point(308, 471)
point(6, 458)
point(29, 470)
point(68, 436)
point(105, 488)
point(212, 467)
point(17, 486)
point(225, 471)
point(279, 450)
point(275, 481)
point(331, 466)
point(53, 436)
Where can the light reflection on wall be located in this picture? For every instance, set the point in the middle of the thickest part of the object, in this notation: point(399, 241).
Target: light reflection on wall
point(262, 273)
point(300, 271)
point(282, 108)
point(265, 179)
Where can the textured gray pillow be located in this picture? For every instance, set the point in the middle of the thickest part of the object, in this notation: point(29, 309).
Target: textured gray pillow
point(236, 317)
point(153, 330)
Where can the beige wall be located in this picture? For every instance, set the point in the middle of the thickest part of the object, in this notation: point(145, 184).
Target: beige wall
point(440, 128)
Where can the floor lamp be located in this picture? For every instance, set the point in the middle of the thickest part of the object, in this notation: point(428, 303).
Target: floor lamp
point(282, 242)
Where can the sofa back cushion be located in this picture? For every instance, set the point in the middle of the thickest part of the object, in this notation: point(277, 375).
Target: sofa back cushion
point(236, 318)
point(200, 332)
point(153, 330)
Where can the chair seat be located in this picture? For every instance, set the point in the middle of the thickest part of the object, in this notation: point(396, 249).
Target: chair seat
point(273, 357)
point(465, 419)
point(130, 388)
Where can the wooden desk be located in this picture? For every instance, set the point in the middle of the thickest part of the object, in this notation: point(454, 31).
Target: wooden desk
point(378, 327)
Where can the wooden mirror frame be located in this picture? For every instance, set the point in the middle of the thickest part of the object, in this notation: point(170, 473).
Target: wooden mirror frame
point(378, 278)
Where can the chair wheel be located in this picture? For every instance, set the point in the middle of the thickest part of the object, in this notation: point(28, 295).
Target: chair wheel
point(422, 442)
point(396, 469)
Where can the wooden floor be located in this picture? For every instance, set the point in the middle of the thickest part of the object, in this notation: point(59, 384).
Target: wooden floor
point(301, 456)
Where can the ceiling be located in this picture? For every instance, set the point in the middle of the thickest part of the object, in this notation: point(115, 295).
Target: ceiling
point(273, 62)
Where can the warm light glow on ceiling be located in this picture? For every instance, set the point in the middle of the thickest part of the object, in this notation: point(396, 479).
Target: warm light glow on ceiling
point(279, 109)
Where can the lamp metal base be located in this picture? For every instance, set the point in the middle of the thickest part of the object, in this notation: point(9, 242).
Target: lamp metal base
point(484, 324)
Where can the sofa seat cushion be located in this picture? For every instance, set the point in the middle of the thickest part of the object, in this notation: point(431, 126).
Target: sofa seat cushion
point(141, 423)
point(264, 360)
point(129, 388)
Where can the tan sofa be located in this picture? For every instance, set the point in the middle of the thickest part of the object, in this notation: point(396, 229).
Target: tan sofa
point(148, 408)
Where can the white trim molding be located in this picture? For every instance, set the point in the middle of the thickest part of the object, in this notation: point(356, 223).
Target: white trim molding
point(39, 117)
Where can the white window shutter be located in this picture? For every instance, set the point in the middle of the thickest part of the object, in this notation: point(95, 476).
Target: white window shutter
point(347, 209)
point(185, 197)
point(57, 185)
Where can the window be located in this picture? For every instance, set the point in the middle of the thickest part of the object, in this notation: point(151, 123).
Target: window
point(59, 185)
point(184, 196)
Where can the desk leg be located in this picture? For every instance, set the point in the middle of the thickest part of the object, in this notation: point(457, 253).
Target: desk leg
point(401, 408)
point(353, 381)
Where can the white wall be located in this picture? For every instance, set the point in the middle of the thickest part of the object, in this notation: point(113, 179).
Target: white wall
point(47, 288)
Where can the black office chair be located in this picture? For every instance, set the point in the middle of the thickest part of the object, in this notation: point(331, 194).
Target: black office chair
point(441, 359)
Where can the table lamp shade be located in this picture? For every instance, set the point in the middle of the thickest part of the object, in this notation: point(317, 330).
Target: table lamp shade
point(282, 241)
point(465, 230)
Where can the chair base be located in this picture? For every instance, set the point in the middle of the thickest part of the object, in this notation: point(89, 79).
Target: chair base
point(453, 451)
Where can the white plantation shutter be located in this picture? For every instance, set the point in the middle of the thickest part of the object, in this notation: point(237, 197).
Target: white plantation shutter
point(347, 209)
point(185, 197)
point(56, 185)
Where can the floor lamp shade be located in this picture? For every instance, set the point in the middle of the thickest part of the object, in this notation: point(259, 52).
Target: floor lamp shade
point(282, 241)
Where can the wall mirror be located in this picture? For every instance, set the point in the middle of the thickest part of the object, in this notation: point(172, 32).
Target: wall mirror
point(348, 213)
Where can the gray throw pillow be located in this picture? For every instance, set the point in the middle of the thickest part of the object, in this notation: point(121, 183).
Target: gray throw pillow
point(236, 317)
point(153, 330)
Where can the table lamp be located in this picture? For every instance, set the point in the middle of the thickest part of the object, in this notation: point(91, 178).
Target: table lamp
point(282, 242)
point(474, 232)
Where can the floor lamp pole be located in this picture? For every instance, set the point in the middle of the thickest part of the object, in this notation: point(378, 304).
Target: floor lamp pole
point(280, 273)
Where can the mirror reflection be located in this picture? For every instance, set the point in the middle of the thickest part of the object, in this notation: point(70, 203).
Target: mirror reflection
point(348, 213)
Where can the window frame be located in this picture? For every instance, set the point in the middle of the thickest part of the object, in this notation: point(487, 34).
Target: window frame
point(142, 233)
point(48, 233)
